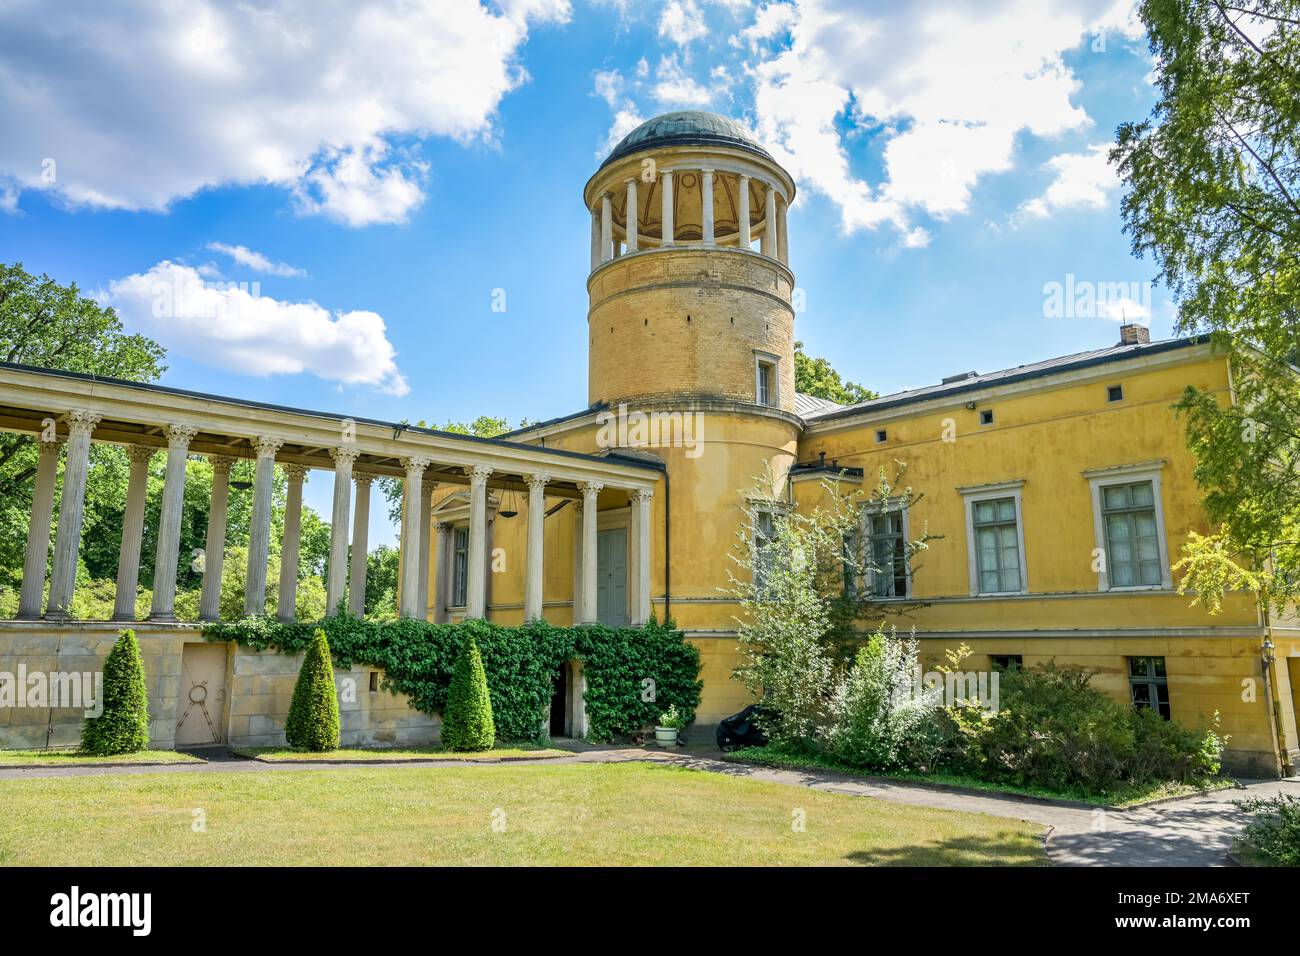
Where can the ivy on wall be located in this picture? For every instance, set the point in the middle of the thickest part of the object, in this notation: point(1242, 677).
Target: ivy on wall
point(632, 674)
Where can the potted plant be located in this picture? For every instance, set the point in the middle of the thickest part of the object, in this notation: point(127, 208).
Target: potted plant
point(671, 721)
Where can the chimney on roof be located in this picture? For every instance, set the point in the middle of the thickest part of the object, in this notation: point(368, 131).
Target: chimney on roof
point(1132, 333)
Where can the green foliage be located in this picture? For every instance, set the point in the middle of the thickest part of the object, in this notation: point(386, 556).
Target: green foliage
point(816, 376)
point(313, 721)
point(672, 719)
point(1273, 834)
point(381, 582)
point(467, 721)
point(123, 727)
point(418, 658)
point(877, 719)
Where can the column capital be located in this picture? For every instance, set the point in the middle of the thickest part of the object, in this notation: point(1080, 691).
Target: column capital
point(428, 483)
point(641, 494)
point(478, 474)
point(590, 489)
point(180, 436)
point(266, 446)
point(345, 455)
point(296, 472)
point(138, 453)
point(363, 479)
point(666, 173)
point(442, 527)
point(219, 463)
point(51, 449)
point(416, 464)
point(82, 422)
point(538, 481)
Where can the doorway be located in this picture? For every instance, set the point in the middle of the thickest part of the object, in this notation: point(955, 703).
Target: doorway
point(201, 704)
point(559, 726)
point(611, 577)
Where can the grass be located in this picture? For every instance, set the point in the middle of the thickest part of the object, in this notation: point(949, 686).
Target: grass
point(1125, 797)
point(558, 814)
point(397, 754)
point(71, 758)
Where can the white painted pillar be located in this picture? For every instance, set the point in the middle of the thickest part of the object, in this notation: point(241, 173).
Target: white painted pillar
point(667, 214)
point(769, 221)
point(286, 605)
point(442, 575)
point(259, 538)
point(535, 580)
point(214, 552)
point(706, 204)
point(641, 501)
point(590, 489)
point(410, 582)
point(633, 213)
point(343, 457)
point(360, 546)
point(426, 543)
point(744, 238)
point(128, 556)
point(782, 240)
point(169, 523)
point(72, 511)
point(595, 240)
point(606, 228)
point(476, 583)
point(38, 530)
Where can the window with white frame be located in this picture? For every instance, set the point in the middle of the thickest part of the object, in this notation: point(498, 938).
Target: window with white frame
point(1129, 523)
point(766, 386)
point(459, 566)
point(763, 534)
point(995, 539)
point(887, 552)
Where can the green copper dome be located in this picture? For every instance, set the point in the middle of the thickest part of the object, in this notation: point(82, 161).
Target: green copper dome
point(686, 128)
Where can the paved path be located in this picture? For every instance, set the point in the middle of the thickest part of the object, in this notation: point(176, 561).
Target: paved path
point(1195, 831)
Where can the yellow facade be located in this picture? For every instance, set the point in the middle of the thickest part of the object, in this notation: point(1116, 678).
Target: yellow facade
point(677, 330)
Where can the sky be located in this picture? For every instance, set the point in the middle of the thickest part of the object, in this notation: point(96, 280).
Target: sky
point(326, 203)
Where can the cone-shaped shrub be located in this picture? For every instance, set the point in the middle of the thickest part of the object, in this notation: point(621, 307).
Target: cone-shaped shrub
point(123, 727)
point(313, 722)
point(467, 721)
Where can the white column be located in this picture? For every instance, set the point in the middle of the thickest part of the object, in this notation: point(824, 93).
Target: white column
point(286, 606)
point(442, 576)
point(641, 501)
point(782, 240)
point(590, 489)
point(667, 214)
point(476, 583)
point(768, 245)
point(72, 505)
point(633, 212)
point(38, 530)
point(426, 544)
point(606, 228)
point(343, 457)
point(169, 523)
point(360, 546)
point(535, 580)
point(745, 238)
point(706, 204)
point(410, 582)
point(259, 537)
point(214, 552)
point(128, 556)
point(595, 240)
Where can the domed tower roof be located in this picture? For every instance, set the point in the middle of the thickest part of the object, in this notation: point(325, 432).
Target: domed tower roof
point(686, 128)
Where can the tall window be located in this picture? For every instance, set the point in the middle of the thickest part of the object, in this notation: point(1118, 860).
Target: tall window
point(764, 532)
point(997, 544)
point(765, 380)
point(1149, 684)
point(888, 554)
point(459, 566)
point(1132, 534)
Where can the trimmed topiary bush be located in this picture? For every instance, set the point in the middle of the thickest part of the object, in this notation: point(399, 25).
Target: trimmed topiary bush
point(467, 721)
point(123, 727)
point(313, 722)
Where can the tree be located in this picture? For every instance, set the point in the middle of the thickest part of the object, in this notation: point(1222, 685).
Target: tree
point(123, 727)
point(816, 376)
point(1213, 194)
point(467, 720)
point(313, 721)
point(482, 427)
point(381, 582)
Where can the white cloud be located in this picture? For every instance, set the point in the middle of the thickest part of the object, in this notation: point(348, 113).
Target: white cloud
point(234, 327)
point(675, 88)
point(682, 21)
point(255, 260)
point(143, 104)
point(771, 20)
point(1082, 180)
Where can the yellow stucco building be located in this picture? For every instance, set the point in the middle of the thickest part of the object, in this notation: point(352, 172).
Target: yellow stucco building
point(1062, 489)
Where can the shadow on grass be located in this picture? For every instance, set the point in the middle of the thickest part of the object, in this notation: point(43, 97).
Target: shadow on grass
point(1004, 848)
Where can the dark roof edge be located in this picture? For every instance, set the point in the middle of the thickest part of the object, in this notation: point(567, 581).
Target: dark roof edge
point(334, 416)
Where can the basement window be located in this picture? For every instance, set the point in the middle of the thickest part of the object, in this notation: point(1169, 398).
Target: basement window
point(986, 416)
point(882, 436)
point(1114, 393)
point(374, 682)
point(1006, 663)
point(1149, 684)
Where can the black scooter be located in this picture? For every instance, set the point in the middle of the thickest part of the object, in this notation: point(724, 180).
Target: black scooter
point(741, 730)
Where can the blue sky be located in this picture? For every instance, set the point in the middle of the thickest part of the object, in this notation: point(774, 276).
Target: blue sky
point(380, 169)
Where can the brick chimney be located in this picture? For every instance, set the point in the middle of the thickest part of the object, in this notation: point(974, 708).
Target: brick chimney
point(1133, 334)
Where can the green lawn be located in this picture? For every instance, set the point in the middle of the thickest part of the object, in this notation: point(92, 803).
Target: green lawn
point(577, 814)
point(398, 754)
point(71, 758)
